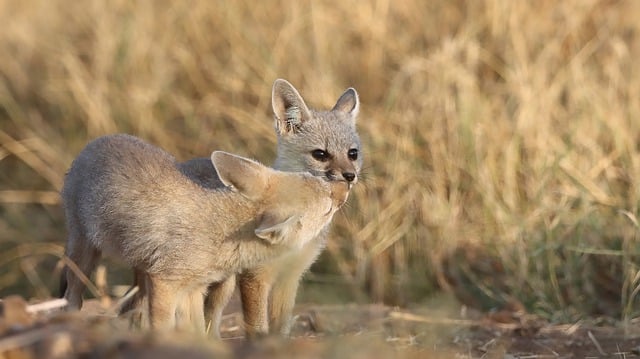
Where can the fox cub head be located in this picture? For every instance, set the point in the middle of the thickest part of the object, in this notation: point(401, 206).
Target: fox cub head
point(294, 205)
point(324, 143)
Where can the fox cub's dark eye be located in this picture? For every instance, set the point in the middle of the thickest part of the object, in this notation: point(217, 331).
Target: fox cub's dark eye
point(353, 154)
point(320, 155)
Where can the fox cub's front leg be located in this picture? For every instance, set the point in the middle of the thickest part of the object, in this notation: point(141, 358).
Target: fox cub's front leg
point(218, 296)
point(255, 286)
point(283, 299)
point(269, 291)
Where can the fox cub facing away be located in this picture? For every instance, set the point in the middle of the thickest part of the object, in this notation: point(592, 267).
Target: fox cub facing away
point(324, 143)
point(128, 199)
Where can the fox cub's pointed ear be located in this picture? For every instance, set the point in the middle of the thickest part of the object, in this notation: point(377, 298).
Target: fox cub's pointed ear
point(289, 108)
point(246, 176)
point(348, 102)
point(273, 229)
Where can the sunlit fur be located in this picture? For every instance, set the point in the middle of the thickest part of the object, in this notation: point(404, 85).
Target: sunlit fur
point(129, 199)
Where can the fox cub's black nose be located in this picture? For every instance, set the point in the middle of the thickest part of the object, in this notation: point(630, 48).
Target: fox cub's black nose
point(349, 176)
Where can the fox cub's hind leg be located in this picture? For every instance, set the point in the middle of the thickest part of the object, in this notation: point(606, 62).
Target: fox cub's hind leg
point(163, 300)
point(135, 306)
point(86, 257)
point(190, 315)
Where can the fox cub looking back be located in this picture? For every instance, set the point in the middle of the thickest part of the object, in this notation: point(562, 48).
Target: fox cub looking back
point(128, 199)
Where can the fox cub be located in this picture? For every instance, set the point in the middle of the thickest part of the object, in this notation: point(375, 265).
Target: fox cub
point(129, 199)
point(323, 143)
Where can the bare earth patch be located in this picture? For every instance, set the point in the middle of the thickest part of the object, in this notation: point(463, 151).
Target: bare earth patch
point(348, 331)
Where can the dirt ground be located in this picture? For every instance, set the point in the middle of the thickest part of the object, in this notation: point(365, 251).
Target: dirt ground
point(347, 331)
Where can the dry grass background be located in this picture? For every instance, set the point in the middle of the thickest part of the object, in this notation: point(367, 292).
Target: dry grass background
point(502, 138)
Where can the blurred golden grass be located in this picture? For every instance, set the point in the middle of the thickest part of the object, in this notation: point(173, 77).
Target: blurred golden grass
point(502, 138)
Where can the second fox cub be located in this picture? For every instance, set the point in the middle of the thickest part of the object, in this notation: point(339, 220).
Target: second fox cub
point(129, 199)
point(324, 143)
